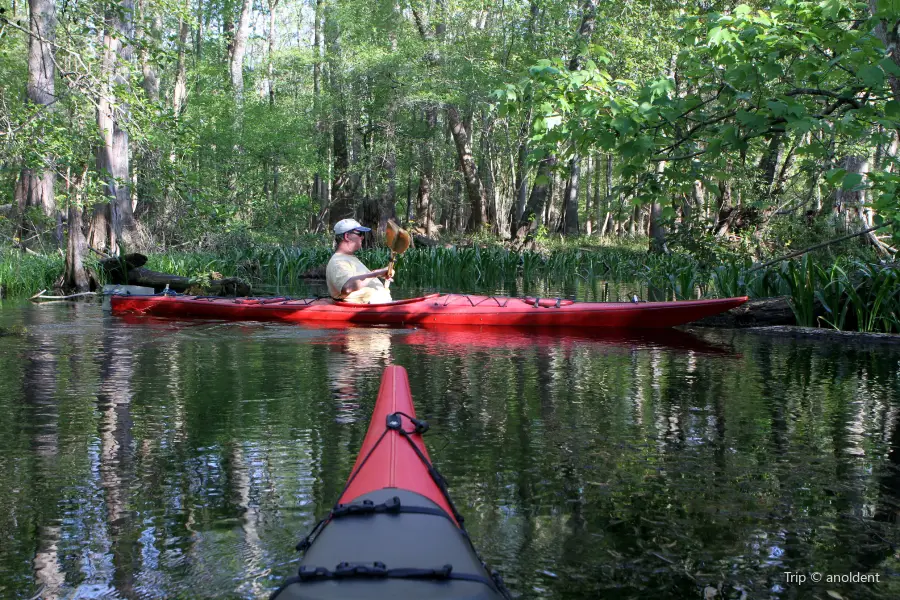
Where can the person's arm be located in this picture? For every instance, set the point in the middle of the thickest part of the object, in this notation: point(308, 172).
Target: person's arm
point(356, 282)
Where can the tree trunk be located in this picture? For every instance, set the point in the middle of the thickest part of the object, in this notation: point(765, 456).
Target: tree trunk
point(270, 88)
point(848, 203)
point(890, 37)
point(388, 206)
point(236, 66)
point(198, 39)
point(35, 187)
point(424, 212)
point(570, 198)
point(270, 68)
point(537, 201)
point(551, 213)
point(228, 28)
point(487, 168)
point(725, 208)
point(342, 190)
point(179, 95)
point(474, 187)
point(583, 40)
point(113, 157)
point(657, 230)
point(589, 200)
point(76, 276)
point(461, 135)
point(521, 176)
point(768, 165)
point(319, 194)
point(150, 81)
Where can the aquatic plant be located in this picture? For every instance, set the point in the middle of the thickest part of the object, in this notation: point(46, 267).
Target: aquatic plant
point(834, 298)
point(802, 278)
point(26, 274)
point(848, 294)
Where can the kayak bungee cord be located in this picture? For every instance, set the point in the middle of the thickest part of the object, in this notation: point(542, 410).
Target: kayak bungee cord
point(393, 506)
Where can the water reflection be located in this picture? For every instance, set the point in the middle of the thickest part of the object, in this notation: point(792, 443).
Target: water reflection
point(155, 458)
point(352, 354)
point(38, 383)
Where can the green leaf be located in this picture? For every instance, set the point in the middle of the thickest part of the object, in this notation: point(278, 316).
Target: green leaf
point(801, 125)
point(835, 175)
point(778, 108)
point(831, 8)
point(660, 88)
point(772, 69)
point(637, 147)
point(871, 75)
point(749, 34)
point(851, 180)
point(752, 120)
point(623, 125)
point(606, 140)
point(889, 67)
point(892, 109)
point(719, 36)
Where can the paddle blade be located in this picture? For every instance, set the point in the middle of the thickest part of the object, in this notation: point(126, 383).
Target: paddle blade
point(398, 239)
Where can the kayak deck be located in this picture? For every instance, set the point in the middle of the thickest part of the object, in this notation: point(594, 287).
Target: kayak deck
point(436, 309)
point(394, 532)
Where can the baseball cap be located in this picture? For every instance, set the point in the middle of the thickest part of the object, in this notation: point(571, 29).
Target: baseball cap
point(345, 225)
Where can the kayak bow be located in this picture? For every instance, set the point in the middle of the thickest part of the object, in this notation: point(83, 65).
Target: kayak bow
point(394, 532)
point(436, 309)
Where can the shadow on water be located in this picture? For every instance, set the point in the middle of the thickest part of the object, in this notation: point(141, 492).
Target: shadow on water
point(158, 458)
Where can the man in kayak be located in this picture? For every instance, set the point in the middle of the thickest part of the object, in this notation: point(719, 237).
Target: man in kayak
point(348, 279)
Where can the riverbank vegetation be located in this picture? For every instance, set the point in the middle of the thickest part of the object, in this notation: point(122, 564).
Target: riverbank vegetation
point(669, 145)
point(825, 291)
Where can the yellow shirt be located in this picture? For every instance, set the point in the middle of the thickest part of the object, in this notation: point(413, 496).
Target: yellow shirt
point(342, 267)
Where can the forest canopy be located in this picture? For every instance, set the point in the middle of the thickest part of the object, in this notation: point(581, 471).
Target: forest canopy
point(150, 124)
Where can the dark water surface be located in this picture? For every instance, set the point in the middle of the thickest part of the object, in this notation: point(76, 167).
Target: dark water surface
point(158, 459)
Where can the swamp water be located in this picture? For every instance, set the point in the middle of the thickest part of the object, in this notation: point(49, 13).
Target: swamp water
point(145, 458)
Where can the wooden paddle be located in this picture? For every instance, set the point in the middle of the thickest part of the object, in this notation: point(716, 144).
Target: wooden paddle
point(398, 241)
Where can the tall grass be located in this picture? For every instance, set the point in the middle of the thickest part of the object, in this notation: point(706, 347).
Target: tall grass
point(803, 278)
point(26, 274)
point(846, 295)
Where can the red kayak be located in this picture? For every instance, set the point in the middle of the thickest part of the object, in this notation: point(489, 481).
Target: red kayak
point(440, 309)
point(394, 532)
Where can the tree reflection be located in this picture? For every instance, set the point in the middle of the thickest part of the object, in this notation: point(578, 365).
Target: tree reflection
point(116, 365)
point(39, 385)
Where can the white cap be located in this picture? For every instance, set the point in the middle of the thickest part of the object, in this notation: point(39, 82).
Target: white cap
point(345, 225)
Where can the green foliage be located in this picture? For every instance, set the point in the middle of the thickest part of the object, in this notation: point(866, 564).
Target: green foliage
point(25, 275)
point(803, 279)
point(799, 70)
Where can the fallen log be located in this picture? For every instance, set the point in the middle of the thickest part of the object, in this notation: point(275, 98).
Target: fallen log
point(117, 267)
point(754, 313)
point(231, 286)
point(129, 270)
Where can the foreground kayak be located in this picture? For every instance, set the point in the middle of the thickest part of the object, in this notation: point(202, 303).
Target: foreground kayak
point(394, 532)
point(439, 309)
